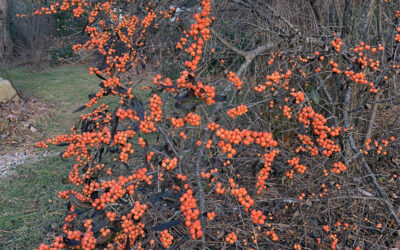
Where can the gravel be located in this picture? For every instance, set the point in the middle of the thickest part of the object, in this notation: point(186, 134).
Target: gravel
point(9, 161)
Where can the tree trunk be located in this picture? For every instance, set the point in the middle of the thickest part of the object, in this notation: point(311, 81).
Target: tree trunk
point(5, 40)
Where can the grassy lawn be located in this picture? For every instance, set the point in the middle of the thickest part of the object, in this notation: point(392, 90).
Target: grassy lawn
point(63, 87)
point(30, 212)
point(29, 208)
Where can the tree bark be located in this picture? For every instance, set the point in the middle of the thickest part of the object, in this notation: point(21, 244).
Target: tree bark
point(5, 39)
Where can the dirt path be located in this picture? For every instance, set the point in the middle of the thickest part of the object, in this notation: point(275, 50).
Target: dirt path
point(9, 160)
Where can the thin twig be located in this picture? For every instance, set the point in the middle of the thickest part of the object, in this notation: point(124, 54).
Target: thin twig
point(364, 163)
point(168, 141)
point(372, 117)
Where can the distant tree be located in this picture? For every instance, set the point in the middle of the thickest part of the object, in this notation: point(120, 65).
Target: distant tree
point(5, 40)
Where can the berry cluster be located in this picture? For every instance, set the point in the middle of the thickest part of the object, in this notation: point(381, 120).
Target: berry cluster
point(241, 194)
point(272, 235)
point(258, 217)
point(235, 80)
point(169, 164)
point(166, 238)
point(231, 238)
point(239, 110)
point(338, 167)
point(155, 107)
point(177, 122)
point(337, 44)
point(294, 162)
point(264, 172)
point(193, 119)
point(211, 215)
point(191, 214)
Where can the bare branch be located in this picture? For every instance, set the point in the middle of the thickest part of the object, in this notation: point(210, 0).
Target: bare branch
point(227, 44)
point(315, 11)
point(364, 163)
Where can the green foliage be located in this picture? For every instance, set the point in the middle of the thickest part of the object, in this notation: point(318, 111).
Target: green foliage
point(59, 54)
point(67, 24)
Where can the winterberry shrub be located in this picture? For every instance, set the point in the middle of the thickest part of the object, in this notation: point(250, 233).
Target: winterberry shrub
point(201, 160)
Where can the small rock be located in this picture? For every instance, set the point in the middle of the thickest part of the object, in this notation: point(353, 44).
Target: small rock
point(33, 129)
point(7, 92)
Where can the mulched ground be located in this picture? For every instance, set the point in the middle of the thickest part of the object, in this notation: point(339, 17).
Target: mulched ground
point(18, 132)
point(18, 121)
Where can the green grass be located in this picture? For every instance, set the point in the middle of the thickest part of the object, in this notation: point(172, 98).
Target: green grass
point(63, 87)
point(27, 218)
point(29, 207)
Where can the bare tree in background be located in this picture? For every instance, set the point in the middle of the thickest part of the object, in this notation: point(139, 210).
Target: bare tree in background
point(5, 40)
